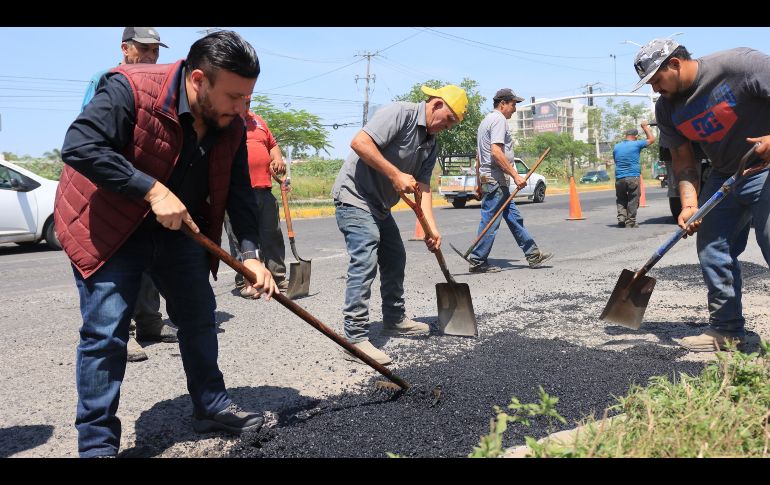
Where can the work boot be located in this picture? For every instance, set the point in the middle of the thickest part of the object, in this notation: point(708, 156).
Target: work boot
point(712, 341)
point(231, 419)
point(621, 223)
point(632, 225)
point(135, 351)
point(283, 285)
point(156, 332)
point(484, 268)
point(537, 259)
point(378, 355)
point(407, 327)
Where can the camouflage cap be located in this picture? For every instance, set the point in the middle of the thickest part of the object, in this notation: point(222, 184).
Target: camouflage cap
point(650, 57)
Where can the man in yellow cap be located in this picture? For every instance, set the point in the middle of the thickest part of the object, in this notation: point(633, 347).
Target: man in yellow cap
point(395, 152)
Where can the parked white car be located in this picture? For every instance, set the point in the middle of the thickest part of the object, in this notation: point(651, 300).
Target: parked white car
point(26, 207)
point(457, 182)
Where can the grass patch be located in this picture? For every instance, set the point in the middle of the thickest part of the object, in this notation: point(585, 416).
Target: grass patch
point(723, 412)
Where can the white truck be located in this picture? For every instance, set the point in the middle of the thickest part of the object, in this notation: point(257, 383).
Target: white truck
point(457, 182)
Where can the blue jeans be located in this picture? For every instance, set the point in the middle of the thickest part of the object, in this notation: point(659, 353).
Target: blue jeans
point(179, 268)
point(371, 242)
point(722, 237)
point(494, 196)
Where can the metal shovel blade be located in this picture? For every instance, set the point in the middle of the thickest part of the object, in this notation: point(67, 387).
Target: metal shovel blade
point(629, 301)
point(299, 280)
point(455, 310)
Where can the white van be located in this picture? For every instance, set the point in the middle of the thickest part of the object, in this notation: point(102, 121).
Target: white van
point(26, 207)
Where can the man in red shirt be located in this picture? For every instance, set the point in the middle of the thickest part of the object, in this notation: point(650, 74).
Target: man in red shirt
point(264, 154)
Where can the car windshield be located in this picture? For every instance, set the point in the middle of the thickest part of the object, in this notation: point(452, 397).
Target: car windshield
point(591, 174)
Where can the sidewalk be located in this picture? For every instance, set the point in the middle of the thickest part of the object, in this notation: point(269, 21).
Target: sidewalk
point(299, 212)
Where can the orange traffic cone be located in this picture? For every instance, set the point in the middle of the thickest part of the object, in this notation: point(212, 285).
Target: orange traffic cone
point(419, 234)
point(643, 197)
point(575, 214)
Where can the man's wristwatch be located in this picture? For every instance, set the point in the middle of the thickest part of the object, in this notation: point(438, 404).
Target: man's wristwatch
point(256, 254)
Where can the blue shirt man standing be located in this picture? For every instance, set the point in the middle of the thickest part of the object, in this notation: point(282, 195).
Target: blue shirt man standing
point(627, 172)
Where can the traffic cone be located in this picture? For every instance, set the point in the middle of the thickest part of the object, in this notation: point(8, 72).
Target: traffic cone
point(419, 234)
point(575, 214)
point(643, 197)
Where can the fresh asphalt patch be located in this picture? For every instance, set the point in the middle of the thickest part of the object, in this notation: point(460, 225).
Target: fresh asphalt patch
point(451, 402)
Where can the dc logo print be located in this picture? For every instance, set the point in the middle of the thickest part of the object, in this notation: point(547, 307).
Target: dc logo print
point(707, 125)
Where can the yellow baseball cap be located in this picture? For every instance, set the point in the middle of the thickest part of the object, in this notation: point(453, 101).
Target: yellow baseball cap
point(452, 95)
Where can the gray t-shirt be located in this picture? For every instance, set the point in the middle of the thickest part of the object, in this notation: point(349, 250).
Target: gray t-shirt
point(493, 129)
point(728, 102)
point(401, 134)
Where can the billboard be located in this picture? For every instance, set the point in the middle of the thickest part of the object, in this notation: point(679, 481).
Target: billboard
point(546, 118)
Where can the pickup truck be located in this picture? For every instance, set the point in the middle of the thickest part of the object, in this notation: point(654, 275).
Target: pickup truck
point(457, 182)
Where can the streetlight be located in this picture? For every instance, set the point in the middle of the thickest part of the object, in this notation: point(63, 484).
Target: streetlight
point(615, 63)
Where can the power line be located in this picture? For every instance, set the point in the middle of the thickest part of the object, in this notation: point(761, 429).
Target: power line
point(315, 77)
point(513, 50)
point(47, 79)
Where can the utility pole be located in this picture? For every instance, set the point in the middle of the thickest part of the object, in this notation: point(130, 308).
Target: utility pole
point(615, 59)
point(368, 56)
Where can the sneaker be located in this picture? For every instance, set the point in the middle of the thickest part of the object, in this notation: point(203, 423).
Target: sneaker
point(621, 223)
point(231, 419)
point(537, 259)
point(406, 327)
point(484, 268)
point(378, 355)
point(135, 351)
point(711, 341)
point(157, 332)
point(632, 225)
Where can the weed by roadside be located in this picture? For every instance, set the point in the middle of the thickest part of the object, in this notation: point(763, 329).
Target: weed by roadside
point(723, 412)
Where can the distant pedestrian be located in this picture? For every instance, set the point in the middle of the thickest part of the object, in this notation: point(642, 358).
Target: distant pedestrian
point(626, 155)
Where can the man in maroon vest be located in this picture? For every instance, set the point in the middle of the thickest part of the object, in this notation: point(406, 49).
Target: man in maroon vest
point(158, 146)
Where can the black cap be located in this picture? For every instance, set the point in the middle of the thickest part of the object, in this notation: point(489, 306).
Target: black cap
point(143, 35)
point(506, 94)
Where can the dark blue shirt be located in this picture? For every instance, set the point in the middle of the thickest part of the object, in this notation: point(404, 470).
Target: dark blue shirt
point(94, 143)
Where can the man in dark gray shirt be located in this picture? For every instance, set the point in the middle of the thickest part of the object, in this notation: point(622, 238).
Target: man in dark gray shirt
point(395, 152)
point(721, 101)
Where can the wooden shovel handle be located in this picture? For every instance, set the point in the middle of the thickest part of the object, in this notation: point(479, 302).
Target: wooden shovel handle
point(417, 208)
point(285, 202)
point(224, 256)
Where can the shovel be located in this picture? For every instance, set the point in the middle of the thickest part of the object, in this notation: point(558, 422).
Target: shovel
point(455, 307)
point(297, 310)
point(500, 211)
point(632, 292)
point(299, 271)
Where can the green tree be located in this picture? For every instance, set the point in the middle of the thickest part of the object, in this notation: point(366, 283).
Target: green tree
point(461, 138)
point(623, 116)
point(565, 151)
point(54, 154)
point(295, 129)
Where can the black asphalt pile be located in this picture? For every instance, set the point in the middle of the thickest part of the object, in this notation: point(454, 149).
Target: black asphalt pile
point(452, 401)
point(690, 274)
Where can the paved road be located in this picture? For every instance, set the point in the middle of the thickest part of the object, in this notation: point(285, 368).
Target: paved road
point(272, 361)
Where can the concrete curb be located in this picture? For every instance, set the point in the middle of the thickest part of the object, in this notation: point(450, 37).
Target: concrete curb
point(565, 439)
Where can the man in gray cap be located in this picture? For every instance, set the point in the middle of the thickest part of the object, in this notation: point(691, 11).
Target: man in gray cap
point(721, 101)
point(140, 45)
point(494, 146)
point(627, 172)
